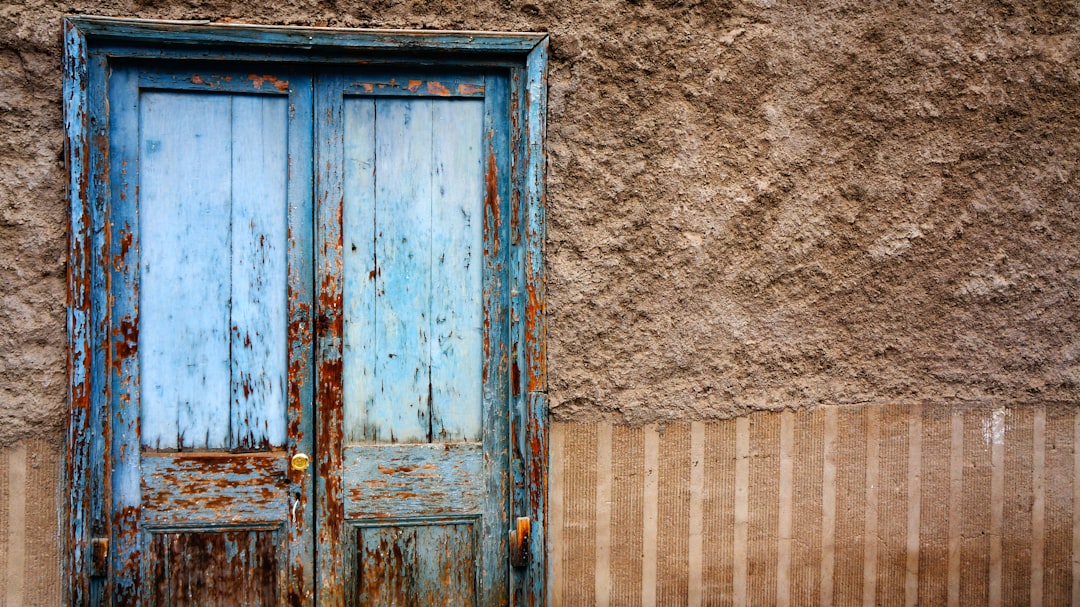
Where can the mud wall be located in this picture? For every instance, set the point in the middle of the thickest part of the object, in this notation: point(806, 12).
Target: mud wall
point(753, 205)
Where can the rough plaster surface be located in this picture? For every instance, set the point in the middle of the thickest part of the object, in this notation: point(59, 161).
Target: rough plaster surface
point(753, 205)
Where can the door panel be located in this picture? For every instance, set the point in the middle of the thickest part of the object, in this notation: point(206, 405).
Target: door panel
point(213, 214)
point(235, 567)
point(413, 233)
point(420, 564)
point(422, 447)
point(210, 195)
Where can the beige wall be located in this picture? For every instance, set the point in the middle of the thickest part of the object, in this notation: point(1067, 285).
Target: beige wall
point(837, 506)
point(30, 473)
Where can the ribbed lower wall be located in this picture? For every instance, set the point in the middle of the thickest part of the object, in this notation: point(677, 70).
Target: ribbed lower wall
point(836, 506)
point(30, 475)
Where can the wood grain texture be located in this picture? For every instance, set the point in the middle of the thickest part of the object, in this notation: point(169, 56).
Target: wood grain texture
point(718, 509)
point(807, 507)
point(233, 567)
point(389, 481)
point(1059, 563)
point(455, 312)
point(185, 186)
point(975, 508)
point(763, 504)
point(259, 274)
point(416, 565)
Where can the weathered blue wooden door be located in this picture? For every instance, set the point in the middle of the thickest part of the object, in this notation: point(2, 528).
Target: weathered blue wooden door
point(413, 364)
point(343, 298)
point(209, 223)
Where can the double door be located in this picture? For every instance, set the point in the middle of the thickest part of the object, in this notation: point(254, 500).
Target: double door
point(310, 376)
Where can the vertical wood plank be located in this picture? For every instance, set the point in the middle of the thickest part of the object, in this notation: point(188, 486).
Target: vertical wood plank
point(997, 505)
point(402, 254)
point(122, 360)
point(851, 453)
point(16, 525)
point(740, 540)
point(556, 578)
point(456, 311)
point(328, 471)
point(914, 505)
point(185, 190)
point(828, 506)
point(359, 273)
point(892, 505)
point(870, 518)
point(697, 527)
point(785, 512)
point(976, 508)
point(934, 538)
point(259, 271)
point(719, 511)
point(579, 526)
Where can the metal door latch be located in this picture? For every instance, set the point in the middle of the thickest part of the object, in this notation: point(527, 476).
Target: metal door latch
point(99, 557)
point(519, 543)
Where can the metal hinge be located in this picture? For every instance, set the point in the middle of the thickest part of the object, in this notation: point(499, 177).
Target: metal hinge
point(99, 557)
point(519, 543)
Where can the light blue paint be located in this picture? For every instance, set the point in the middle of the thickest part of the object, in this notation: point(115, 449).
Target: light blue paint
point(258, 321)
point(413, 237)
point(213, 180)
point(456, 317)
point(184, 198)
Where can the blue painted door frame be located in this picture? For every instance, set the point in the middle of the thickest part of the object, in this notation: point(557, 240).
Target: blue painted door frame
point(115, 455)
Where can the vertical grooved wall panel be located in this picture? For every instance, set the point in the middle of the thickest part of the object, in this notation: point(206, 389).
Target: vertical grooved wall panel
point(1001, 481)
point(892, 508)
point(1016, 540)
point(29, 535)
point(764, 498)
point(719, 513)
point(42, 564)
point(934, 515)
point(672, 545)
point(579, 524)
point(1058, 560)
point(628, 479)
point(975, 508)
point(806, 528)
point(850, 506)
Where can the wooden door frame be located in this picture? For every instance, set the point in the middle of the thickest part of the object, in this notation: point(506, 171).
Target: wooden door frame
point(89, 44)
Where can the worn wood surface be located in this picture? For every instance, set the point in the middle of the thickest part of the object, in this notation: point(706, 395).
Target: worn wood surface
point(231, 568)
point(213, 270)
point(418, 564)
point(203, 185)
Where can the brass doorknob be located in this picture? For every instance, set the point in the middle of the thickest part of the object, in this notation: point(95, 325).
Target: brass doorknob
point(300, 461)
